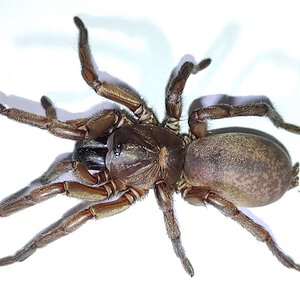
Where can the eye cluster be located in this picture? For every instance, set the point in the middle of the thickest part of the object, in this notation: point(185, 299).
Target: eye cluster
point(117, 149)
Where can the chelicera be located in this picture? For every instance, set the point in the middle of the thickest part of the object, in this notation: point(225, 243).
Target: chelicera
point(119, 156)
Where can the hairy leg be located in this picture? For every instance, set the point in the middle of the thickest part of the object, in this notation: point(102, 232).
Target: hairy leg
point(48, 107)
point(198, 196)
point(57, 169)
point(70, 188)
point(198, 118)
point(71, 221)
point(58, 128)
point(174, 91)
point(78, 129)
point(123, 95)
point(165, 203)
point(61, 167)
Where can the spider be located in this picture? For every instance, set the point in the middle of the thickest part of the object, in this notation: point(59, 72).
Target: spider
point(119, 156)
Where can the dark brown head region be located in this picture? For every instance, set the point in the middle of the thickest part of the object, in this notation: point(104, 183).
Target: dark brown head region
point(141, 155)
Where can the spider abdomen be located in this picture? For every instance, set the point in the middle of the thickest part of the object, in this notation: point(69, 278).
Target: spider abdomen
point(246, 168)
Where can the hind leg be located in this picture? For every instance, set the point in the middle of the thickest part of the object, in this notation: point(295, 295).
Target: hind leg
point(201, 196)
point(199, 117)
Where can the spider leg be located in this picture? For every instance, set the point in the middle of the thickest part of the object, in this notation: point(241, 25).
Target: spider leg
point(78, 169)
point(48, 107)
point(61, 129)
point(105, 121)
point(165, 203)
point(47, 177)
point(229, 210)
point(77, 129)
point(56, 170)
point(199, 117)
point(123, 95)
point(71, 221)
point(70, 188)
point(174, 91)
point(50, 111)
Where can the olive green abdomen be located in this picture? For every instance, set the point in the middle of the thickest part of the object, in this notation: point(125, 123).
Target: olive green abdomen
point(247, 169)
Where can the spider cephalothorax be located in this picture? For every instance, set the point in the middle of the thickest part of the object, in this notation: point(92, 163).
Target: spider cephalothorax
point(124, 155)
point(144, 154)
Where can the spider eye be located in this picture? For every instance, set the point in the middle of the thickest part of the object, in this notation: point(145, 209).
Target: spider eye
point(117, 149)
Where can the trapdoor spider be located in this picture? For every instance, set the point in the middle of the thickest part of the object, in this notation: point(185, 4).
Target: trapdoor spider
point(125, 154)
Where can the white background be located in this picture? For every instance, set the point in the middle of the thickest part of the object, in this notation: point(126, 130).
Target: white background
point(255, 50)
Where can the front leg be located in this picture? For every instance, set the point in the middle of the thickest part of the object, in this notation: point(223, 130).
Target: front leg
point(58, 128)
point(48, 107)
point(77, 129)
point(63, 166)
point(123, 95)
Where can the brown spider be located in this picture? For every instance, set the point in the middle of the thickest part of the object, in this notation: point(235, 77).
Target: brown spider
point(123, 155)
